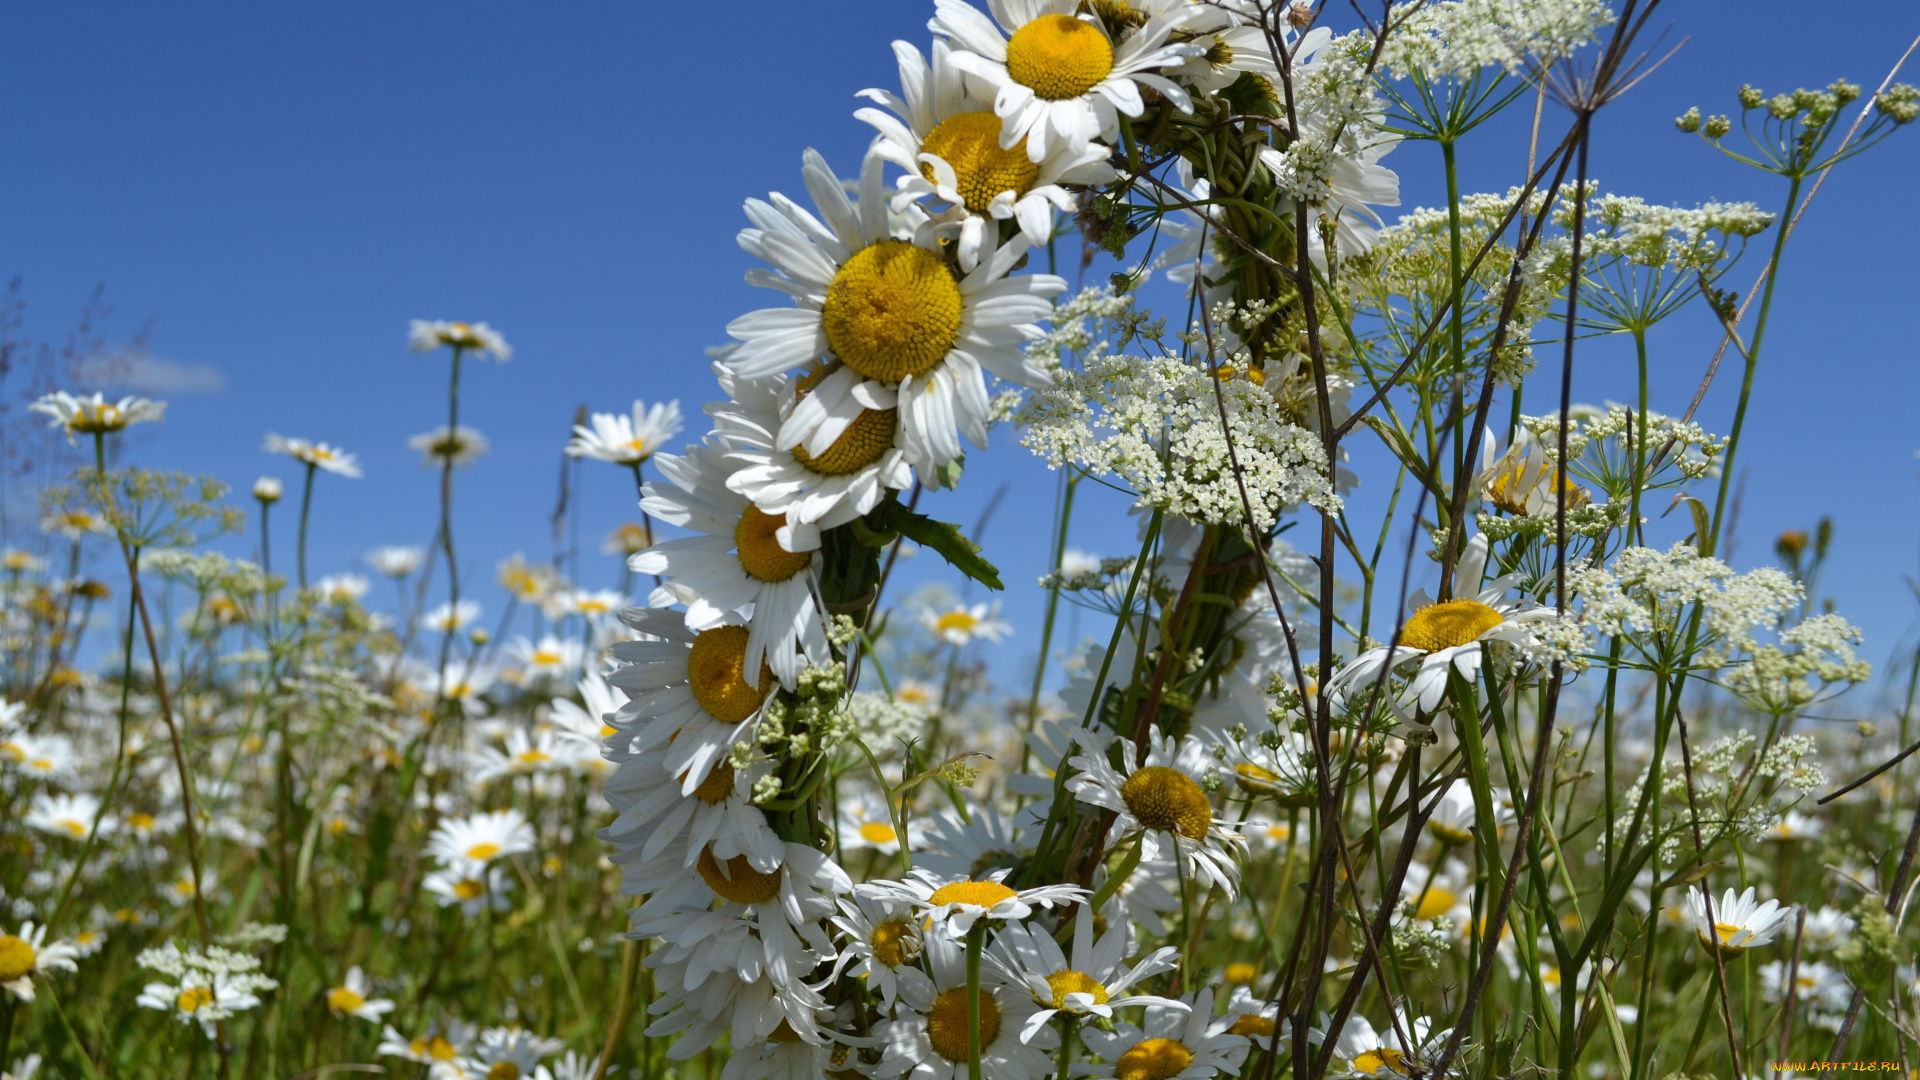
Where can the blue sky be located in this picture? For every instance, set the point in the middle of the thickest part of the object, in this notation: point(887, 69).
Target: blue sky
point(281, 187)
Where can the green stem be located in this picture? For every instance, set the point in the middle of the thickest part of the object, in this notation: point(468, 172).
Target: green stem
point(976, 942)
point(306, 505)
point(1046, 627)
point(1752, 352)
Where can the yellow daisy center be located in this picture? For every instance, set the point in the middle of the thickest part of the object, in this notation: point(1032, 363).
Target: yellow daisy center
point(1372, 1061)
point(716, 669)
point(469, 888)
point(192, 998)
point(1239, 973)
point(1444, 626)
point(1059, 56)
point(1726, 932)
point(739, 882)
point(894, 944)
point(342, 999)
point(841, 1051)
point(437, 1048)
point(761, 555)
point(504, 1070)
point(16, 957)
point(975, 893)
point(532, 757)
point(865, 441)
point(947, 1023)
point(878, 832)
point(958, 619)
point(1063, 983)
point(1450, 834)
point(1254, 778)
point(483, 851)
point(717, 786)
point(892, 311)
point(1153, 1059)
point(1435, 903)
point(1253, 1026)
point(140, 820)
point(1167, 800)
point(970, 143)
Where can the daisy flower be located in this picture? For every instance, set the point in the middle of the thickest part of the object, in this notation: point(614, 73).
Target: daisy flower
point(626, 440)
point(1449, 637)
point(1160, 795)
point(593, 605)
point(481, 837)
point(891, 310)
point(958, 902)
point(522, 754)
point(1093, 981)
point(451, 618)
point(1255, 1020)
point(341, 588)
point(1186, 1043)
point(952, 847)
point(551, 658)
point(527, 582)
point(866, 822)
point(1454, 817)
point(474, 886)
point(882, 943)
point(1828, 928)
point(351, 998)
point(432, 1048)
point(464, 684)
point(1447, 891)
point(96, 415)
point(74, 522)
point(205, 997)
point(949, 145)
point(785, 906)
point(318, 455)
point(396, 562)
point(1368, 1052)
point(627, 538)
point(714, 811)
point(513, 1054)
point(961, 624)
point(929, 1034)
point(855, 457)
point(1795, 826)
point(741, 556)
point(1057, 78)
point(587, 724)
point(705, 1007)
point(64, 815)
point(463, 446)
point(691, 692)
point(1738, 922)
point(44, 757)
point(424, 336)
point(26, 954)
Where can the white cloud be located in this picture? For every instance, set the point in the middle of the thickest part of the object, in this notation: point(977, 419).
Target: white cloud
point(138, 372)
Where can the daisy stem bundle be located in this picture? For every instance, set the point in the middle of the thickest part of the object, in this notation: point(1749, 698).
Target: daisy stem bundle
point(300, 544)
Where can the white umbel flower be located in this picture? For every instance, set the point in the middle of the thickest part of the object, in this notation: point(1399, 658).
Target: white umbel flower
point(626, 440)
point(1056, 78)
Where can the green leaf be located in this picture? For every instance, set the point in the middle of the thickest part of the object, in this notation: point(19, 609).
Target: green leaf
point(960, 552)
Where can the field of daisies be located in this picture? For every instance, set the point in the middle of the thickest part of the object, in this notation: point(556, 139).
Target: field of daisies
point(1512, 778)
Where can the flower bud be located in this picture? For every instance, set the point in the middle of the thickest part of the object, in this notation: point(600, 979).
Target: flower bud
point(1751, 97)
point(1690, 122)
point(267, 489)
point(1716, 126)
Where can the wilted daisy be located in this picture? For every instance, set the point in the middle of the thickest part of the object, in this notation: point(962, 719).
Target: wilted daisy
point(353, 998)
point(396, 562)
point(956, 903)
point(1449, 637)
point(96, 415)
point(950, 146)
point(481, 837)
point(317, 455)
point(1738, 921)
point(463, 446)
point(1160, 795)
point(28, 953)
point(626, 440)
point(1058, 78)
point(475, 886)
point(1093, 981)
point(929, 1034)
point(892, 311)
point(1180, 1043)
point(960, 624)
point(425, 336)
point(64, 815)
point(743, 557)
